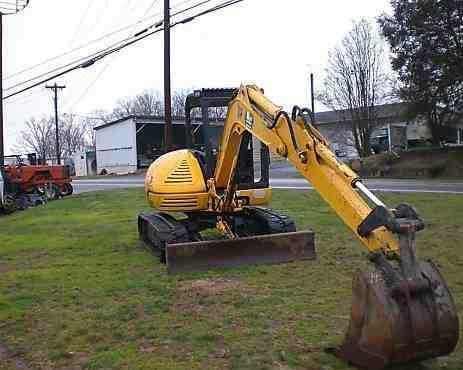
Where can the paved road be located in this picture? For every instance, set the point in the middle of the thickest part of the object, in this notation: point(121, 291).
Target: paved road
point(386, 185)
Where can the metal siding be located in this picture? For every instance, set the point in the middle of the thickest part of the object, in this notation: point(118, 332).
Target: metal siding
point(116, 148)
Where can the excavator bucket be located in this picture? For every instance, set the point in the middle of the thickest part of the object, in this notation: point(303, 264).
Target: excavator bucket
point(399, 316)
point(262, 249)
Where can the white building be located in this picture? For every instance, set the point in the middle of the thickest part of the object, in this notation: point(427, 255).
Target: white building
point(84, 163)
point(131, 143)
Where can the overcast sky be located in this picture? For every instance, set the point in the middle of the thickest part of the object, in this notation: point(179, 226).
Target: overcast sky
point(272, 43)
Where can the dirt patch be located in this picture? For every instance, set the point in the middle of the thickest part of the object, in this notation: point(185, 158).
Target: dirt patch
point(208, 298)
point(209, 287)
point(11, 360)
point(26, 260)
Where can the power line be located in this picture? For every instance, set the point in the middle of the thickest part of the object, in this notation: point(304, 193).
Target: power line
point(87, 89)
point(19, 6)
point(98, 52)
point(106, 66)
point(140, 36)
point(7, 7)
point(150, 7)
point(97, 20)
point(103, 70)
point(26, 98)
point(105, 36)
point(190, 7)
point(66, 65)
point(79, 47)
point(87, 61)
point(86, 115)
point(81, 22)
point(15, 4)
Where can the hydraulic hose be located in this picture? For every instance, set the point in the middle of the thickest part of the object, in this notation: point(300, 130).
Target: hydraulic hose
point(290, 127)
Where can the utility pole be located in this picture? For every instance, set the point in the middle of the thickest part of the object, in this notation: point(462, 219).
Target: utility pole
point(312, 95)
point(2, 150)
point(6, 8)
point(55, 89)
point(167, 89)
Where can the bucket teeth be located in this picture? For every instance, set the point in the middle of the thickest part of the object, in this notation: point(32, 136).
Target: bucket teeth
point(391, 325)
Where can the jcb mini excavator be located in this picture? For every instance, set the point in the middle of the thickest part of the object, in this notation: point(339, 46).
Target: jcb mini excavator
point(402, 310)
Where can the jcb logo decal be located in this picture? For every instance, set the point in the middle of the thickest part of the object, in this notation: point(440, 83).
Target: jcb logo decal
point(249, 120)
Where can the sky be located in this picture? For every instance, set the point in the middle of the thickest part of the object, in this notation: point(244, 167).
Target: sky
point(272, 43)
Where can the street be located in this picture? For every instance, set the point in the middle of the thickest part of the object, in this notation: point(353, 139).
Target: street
point(384, 185)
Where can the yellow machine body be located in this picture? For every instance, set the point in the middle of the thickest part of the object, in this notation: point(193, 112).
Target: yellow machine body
point(175, 183)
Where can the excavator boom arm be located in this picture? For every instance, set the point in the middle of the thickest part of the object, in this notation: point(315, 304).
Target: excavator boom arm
point(302, 145)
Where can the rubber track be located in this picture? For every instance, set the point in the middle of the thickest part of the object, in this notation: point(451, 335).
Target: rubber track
point(158, 229)
point(268, 221)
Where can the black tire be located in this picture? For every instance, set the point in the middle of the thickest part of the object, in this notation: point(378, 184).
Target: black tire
point(67, 190)
point(9, 205)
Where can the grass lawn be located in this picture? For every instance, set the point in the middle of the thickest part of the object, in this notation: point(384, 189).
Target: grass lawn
point(78, 292)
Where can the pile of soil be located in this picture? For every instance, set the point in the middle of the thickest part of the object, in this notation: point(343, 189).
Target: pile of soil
point(424, 163)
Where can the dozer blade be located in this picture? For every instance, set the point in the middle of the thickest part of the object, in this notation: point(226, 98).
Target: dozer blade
point(262, 249)
point(412, 321)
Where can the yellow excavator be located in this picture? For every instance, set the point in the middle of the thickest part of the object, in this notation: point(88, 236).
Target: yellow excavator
point(402, 309)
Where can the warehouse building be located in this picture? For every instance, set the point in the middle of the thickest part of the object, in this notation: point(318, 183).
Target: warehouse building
point(134, 142)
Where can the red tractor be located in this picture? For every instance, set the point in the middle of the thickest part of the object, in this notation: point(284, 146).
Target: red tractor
point(53, 181)
point(32, 184)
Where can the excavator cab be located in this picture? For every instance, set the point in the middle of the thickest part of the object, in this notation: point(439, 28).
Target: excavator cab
point(253, 163)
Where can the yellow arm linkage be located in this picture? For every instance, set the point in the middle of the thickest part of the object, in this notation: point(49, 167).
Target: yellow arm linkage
point(306, 149)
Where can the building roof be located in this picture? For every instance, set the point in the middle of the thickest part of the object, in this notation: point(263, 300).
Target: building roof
point(384, 111)
point(142, 119)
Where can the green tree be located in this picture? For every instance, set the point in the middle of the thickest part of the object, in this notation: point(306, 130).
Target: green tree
point(426, 39)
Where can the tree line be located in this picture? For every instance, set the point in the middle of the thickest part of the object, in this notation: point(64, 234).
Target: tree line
point(76, 132)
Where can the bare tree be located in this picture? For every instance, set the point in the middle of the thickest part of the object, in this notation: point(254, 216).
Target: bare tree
point(148, 103)
point(89, 124)
point(218, 113)
point(72, 135)
point(356, 81)
point(178, 107)
point(178, 102)
point(101, 116)
point(91, 121)
point(124, 107)
point(39, 137)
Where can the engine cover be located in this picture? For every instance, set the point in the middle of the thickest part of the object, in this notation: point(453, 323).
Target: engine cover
point(175, 182)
